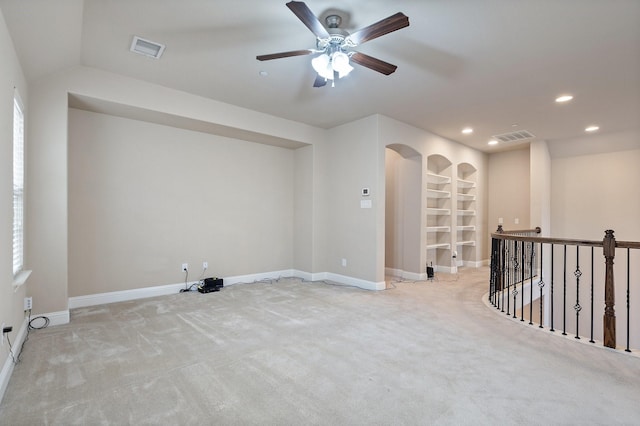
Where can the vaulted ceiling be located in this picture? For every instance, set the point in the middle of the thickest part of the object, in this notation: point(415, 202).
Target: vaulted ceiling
point(494, 65)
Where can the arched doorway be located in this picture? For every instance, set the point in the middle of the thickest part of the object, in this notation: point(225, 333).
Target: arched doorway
point(403, 206)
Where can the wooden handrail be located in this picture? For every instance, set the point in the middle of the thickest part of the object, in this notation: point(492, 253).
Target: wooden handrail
point(536, 230)
point(608, 244)
point(548, 240)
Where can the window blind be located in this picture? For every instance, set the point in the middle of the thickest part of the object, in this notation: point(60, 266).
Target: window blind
point(18, 186)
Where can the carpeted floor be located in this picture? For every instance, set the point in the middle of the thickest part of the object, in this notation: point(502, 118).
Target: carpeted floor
point(292, 353)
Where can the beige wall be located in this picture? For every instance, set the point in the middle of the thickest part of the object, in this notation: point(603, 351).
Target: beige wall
point(509, 189)
point(352, 233)
point(144, 198)
point(47, 219)
point(393, 132)
point(403, 198)
point(11, 302)
point(592, 193)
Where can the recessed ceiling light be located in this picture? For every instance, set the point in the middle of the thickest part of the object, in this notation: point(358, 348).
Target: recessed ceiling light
point(263, 73)
point(564, 98)
point(592, 129)
point(467, 130)
point(493, 142)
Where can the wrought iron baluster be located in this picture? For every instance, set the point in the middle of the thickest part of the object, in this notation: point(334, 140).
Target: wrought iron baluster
point(533, 254)
point(522, 282)
point(564, 297)
point(628, 295)
point(552, 302)
point(592, 282)
point(541, 284)
point(577, 307)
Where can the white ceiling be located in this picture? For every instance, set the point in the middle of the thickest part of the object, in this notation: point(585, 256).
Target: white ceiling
point(494, 65)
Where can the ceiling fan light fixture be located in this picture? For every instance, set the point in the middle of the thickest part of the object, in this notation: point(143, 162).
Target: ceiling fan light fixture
point(322, 65)
point(340, 63)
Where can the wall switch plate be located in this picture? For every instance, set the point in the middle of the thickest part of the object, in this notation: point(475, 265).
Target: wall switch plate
point(205, 265)
point(28, 303)
point(344, 262)
point(517, 221)
point(185, 267)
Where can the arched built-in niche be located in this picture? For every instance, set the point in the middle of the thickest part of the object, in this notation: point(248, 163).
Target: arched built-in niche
point(438, 213)
point(466, 214)
point(403, 206)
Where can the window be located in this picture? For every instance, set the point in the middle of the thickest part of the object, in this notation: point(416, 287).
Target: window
point(18, 186)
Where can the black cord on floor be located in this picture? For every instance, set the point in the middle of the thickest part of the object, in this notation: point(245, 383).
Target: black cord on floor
point(30, 326)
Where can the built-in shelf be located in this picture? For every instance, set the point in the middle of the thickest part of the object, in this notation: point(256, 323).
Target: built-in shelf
point(436, 193)
point(439, 246)
point(438, 229)
point(466, 184)
point(466, 197)
point(438, 179)
point(466, 212)
point(466, 243)
point(438, 212)
point(466, 228)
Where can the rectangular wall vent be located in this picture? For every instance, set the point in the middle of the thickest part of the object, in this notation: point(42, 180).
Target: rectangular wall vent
point(520, 135)
point(146, 47)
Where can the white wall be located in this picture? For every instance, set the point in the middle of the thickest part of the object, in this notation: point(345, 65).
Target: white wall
point(11, 302)
point(144, 198)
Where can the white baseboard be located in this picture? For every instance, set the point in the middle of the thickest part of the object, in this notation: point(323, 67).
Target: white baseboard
point(252, 278)
point(124, 295)
point(141, 293)
point(405, 275)
point(55, 318)
point(356, 282)
point(7, 368)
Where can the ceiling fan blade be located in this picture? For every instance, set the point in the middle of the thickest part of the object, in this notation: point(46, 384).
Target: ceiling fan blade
point(307, 17)
point(320, 81)
point(284, 54)
point(380, 28)
point(373, 63)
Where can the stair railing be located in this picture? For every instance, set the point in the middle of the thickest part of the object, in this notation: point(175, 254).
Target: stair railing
point(565, 274)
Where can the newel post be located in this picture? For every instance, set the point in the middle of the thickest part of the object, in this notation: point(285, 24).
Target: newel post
point(609, 248)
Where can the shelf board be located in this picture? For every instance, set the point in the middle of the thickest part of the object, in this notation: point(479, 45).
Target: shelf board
point(438, 212)
point(438, 229)
point(466, 228)
point(439, 246)
point(438, 179)
point(466, 212)
point(466, 184)
point(435, 193)
point(466, 197)
point(466, 243)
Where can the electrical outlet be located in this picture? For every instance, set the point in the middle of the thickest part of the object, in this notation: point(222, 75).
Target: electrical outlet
point(344, 262)
point(205, 265)
point(28, 303)
point(185, 267)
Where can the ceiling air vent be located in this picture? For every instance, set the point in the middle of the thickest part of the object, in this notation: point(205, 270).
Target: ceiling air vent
point(146, 47)
point(520, 135)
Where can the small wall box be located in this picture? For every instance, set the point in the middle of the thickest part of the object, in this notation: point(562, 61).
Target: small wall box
point(210, 284)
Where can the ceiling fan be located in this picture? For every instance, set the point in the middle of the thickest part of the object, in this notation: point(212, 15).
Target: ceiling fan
point(334, 44)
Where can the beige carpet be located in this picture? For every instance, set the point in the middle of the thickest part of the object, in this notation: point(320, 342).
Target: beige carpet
point(292, 353)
